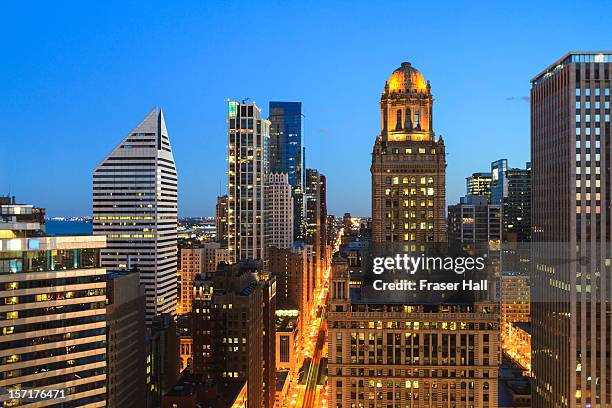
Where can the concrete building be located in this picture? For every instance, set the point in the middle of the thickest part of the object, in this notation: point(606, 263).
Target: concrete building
point(286, 155)
point(570, 157)
point(511, 188)
point(135, 207)
point(417, 355)
point(191, 263)
point(221, 220)
point(248, 169)
point(476, 223)
point(287, 333)
point(162, 359)
point(280, 211)
point(125, 340)
point(316, 221)
point(233, 329)
point(479, 184)
point(408, 165)
point(53, 326)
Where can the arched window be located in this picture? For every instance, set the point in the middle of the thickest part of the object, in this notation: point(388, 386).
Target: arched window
point(408, 124)
point(416, 118)
point(398, 121)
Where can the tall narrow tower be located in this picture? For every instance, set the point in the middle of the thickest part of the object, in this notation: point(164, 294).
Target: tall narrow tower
point(408, 164)
point(286, 155)
point(248, 169)
point(135, 206)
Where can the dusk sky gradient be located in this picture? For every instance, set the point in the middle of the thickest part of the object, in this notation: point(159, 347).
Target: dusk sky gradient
point(77, 77)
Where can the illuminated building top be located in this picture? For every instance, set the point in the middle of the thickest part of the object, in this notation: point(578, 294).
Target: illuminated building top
point(405, 106)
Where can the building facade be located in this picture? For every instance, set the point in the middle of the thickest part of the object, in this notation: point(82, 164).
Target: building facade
point(392, 354)
point(221, 220)
point(570, 156)
point(408, 164)
point(479, 184)
point(233, 329)
point(475, 222)
point(192, 263)
point(280, 210)
point(53, 330)
point(517, 205)
point(248, 169)
point(286, 154)
point(499, 182)
point(135, 207)
point(125, 340)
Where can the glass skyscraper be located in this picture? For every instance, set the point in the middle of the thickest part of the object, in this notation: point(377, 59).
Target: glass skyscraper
point(286, 153)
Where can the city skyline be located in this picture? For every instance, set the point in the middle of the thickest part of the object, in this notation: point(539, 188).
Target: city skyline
point(483, 101)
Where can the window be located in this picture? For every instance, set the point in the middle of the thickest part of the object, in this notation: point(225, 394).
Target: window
point(398, 120)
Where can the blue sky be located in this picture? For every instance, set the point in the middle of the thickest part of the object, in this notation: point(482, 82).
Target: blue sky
point(77, 76)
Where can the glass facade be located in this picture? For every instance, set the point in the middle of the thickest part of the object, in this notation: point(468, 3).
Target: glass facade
point(499, 183)
point(286, 153)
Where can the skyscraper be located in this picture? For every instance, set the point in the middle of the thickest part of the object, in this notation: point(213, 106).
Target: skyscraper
point(511, 187)
point(475, 222)
point(135, 207)
point(286, 155)
point(125, 340)
point(392, 349)
point(248, 169)
point(280, 210)
point(571, 278)
point(408, 164)
point(517, 206)
point(53, 326)
point(316, 220)
point(479, 184)
point(234, 329)
point(499, 182)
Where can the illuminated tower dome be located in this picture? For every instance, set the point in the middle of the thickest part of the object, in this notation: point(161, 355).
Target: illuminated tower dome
point(408, 164)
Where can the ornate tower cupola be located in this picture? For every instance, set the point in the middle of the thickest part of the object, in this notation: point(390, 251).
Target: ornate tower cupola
point(406, 106)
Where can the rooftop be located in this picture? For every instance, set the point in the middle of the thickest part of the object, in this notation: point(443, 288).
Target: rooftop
point(572, 57)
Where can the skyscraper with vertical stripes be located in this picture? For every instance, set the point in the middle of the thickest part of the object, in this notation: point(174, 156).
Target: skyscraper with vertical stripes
point(571, 264)
point(135, 206)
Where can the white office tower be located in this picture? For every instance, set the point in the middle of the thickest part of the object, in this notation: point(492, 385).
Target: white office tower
point(135, 206)
point(280, 211)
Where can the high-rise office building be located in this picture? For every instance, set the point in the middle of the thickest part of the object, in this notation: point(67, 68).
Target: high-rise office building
point(163, 358)
point(408, 164)
point(280, 211)
point(479, 184)
point(192, 263)
point(53, 326)
point(221, 220)
point(499, 182)
point(571, 228)
point(233, 329)
point(474, 222)
point(248, 139)
point(391, 350)
point(517, 205)
point(316, 220)
point(135, 207)
point(286, 154)
point(511, 188)
point(419, 355)
point(125, 340)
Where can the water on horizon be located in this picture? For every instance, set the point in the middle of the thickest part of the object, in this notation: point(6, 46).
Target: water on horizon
point(55, 227)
